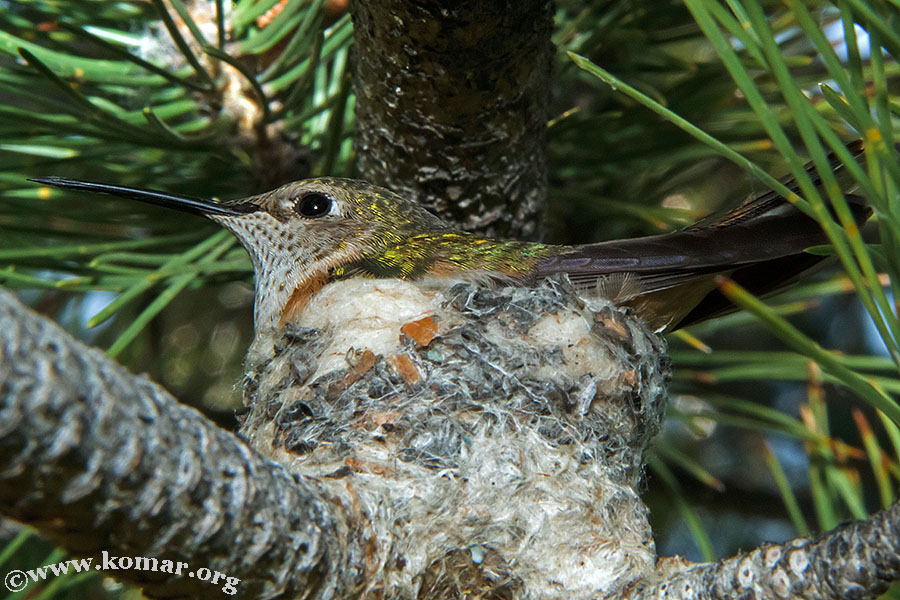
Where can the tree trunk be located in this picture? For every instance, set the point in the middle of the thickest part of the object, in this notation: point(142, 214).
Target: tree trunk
point(452, 107)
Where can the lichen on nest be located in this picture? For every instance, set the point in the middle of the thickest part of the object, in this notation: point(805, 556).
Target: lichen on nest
point(506, 424)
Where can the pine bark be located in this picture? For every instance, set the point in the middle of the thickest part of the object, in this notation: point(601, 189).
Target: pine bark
point(98, 459)
point(859, 559)
point(451, 107)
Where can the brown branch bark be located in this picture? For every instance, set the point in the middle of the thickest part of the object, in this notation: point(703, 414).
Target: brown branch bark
point(452, 107)
point(99, 459)
point(856, 560)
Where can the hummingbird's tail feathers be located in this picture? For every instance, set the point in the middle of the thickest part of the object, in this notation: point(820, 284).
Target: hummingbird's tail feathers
point(760, 244)
point(188, 204)
point(773, 201)
point(758, 279)
point(767, 277)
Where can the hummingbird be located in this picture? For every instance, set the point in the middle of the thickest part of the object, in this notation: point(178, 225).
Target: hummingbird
point(309, 233)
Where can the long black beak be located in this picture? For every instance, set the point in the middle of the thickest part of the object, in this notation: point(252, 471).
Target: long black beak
point(197, 206)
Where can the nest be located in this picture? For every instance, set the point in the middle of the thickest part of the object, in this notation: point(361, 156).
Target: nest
point(483, 439)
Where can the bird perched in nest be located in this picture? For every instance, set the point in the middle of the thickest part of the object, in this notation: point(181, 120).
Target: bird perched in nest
point(304, 235)
point(487, 439)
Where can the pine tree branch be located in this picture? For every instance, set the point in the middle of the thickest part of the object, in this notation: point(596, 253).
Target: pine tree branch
point(99, 459)
point(856, 560)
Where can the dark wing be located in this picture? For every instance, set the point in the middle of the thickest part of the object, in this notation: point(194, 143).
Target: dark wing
point(771, 200)
point(760, 244)
point(661, 261)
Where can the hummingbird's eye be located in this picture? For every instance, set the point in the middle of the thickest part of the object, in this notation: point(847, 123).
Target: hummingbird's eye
point(312, 205)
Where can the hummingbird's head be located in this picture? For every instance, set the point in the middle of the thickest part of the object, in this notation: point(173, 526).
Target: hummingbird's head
point(313, 219)
point(298, 233)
